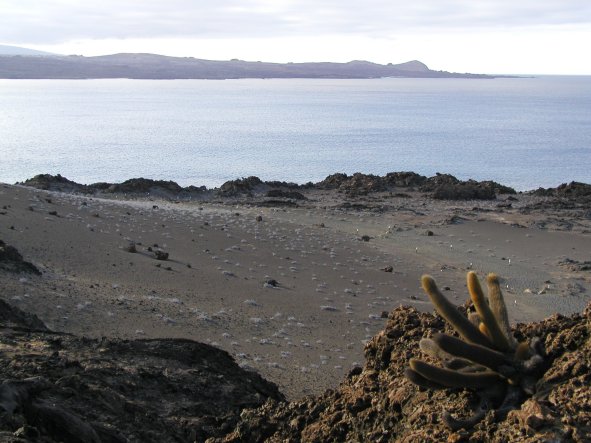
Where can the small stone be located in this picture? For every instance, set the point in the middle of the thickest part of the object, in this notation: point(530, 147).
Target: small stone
point(160, 255)
point(272, 282)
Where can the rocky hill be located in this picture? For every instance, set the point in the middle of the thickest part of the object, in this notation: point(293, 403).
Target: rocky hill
point(151, 66)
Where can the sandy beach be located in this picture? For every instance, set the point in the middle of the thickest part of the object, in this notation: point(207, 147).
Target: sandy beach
point(292, 288)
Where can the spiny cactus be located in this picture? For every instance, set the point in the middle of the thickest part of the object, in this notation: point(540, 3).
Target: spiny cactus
point(486, 359)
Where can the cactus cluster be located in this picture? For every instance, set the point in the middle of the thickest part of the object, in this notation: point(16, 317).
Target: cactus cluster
point(486, 358)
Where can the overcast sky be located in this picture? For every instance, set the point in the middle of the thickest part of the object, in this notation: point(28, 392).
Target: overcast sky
point(484, 36)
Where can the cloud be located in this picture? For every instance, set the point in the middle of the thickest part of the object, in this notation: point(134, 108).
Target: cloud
point(57, 21)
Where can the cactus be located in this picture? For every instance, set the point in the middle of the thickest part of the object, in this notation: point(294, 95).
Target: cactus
point(487, 359)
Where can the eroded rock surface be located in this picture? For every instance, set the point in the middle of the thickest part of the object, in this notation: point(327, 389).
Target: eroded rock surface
point(377, 403)
point(58, 387)
point(11, 260)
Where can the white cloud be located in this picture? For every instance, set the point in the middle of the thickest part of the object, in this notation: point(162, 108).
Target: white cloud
point(56, 21)
point(457, 35)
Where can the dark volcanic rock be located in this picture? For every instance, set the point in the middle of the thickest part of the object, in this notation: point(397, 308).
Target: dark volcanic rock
point(239, 186)
point(405, 179)
point(333, 181)
point(69, 389)
point(288, 185)
point(570, 190)
point(58, 183)
point(364, 183)
point(377, 403)
point(443, 186)
point(135, 186)
point(140, 186)
point(279, 193)
point(463, 191)
point(448, 187)
point(14, 317)
point(161, 255)
point(573, 195)
point(356, 184)
point(11, 260)
point(496, 187)
point(438, 180)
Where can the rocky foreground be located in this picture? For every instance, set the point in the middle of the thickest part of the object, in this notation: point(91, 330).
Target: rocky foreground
point(58, 387)
point(344, 253)
point(377, 403)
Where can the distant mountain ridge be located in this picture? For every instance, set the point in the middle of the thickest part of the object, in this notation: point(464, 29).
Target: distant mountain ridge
point(152, 66)
point(17, 50)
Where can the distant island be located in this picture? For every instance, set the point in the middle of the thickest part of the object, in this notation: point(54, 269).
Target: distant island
point(17, 50)
point(28, 65)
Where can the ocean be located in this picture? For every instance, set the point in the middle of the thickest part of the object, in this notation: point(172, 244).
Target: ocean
point(521, 132)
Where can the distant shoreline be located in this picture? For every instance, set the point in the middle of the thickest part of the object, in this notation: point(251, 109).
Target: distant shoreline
point(159, 67)
point(441, 186)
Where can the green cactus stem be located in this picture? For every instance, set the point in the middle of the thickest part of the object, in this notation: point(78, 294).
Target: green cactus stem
point(455, 379)
point(476, 353)
point(449, 312)
point(498, 306)
point(488, 318)
point(488, 359)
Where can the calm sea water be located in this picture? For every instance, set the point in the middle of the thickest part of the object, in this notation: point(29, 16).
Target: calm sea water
point(525, 132)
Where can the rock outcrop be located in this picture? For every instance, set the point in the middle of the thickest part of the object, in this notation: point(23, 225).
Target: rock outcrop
point(440, 186)
point(377, 403)
point(448, 187)
point(56, 387)
point(58, 183)
point(140, 187)
point(12, 260)
point(239, 186)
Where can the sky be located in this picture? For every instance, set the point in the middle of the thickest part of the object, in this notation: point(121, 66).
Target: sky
point(478, 36)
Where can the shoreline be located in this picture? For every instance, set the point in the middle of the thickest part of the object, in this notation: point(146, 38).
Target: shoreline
point(352, 183)
point(340, 255)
